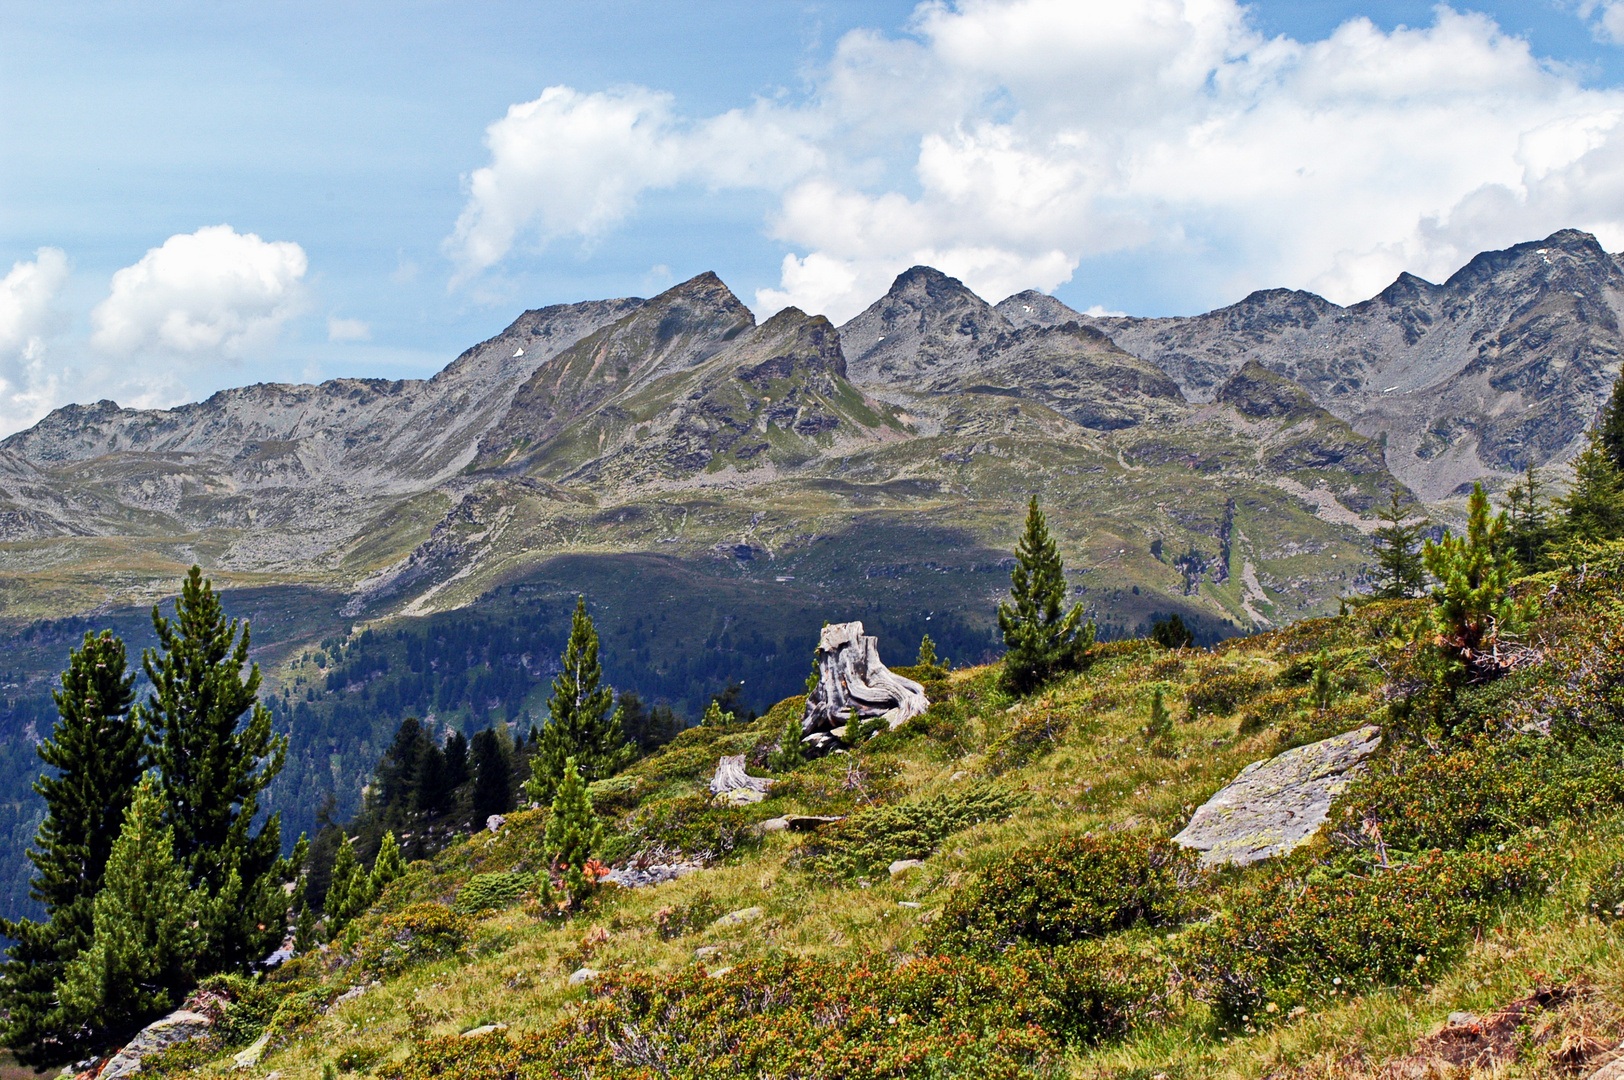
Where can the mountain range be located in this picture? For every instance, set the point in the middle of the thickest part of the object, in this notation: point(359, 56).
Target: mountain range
point(716, 487)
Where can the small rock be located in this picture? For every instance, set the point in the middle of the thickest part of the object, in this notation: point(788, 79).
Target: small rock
point(179, 1026)
point(902, 866)
point(1462, 1019)
point(718, 973)
point(634, 877)
point(808, 822)
point(486, 1029)
point(909, 904)
point(773, 824)
point(956, 777)
point(248, 1058)
point(349, 995)
point(739, 918)
point(494, 822)
point(705, 952)
point(742, 797)
point(582, 975)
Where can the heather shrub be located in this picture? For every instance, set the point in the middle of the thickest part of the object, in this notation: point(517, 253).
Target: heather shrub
point(1068, 891)
point(1606, 892)
point(695, 827)
point(388, 944)
point(492, 892)
point(678, 920)
point(872, 838)
point(1028, 739)
point(1223, 690)
point(1289, 937)
point(1267, 708)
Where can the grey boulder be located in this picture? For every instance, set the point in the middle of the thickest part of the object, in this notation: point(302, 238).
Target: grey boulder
point(1274, 806)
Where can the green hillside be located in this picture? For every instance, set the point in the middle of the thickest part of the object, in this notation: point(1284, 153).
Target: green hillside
point(1051, 928)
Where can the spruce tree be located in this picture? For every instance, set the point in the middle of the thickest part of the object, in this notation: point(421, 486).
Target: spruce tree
point(1171, 633)
point(212, 767)
point(579, 725)
point(388, 866)
point(791, 752)
point(1043, 640)
point(456, 760)
point(140, 962)
point(714, 716)
point(1593, 508)
point(493, 776)
point(1610, 425)
point(573, 832)
point(97, 753)
point(1529, 533)
point(1397, 545)
point(1159, 731)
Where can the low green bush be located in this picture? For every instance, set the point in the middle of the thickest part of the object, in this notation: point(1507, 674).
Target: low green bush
point(1293, 936)
point(872, 838)
point(695, 827)
point(1223, 690)
point(492, 892)
point(388, 944)
point(1028, 739)
point(1606, 892)
point(678, 920)
point(1068, 891)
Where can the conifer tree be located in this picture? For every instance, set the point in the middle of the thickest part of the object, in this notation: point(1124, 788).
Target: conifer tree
point(1043, 640)
point(580, 725)
point(573, 832)
point(97, 753)
point(1159, 731)
point(211, 774)
point(493, 776)
point(1593, 508)
point(304, 931)
point(351, 891)
point(1529, 533)
point(791, 752)
point(140, 961)
point(714, 716)
point(1473, 573)
point(1611, 425)
point(1322, 681)
point(388, 866)
point(1171, 633)
point(1397, 545)
point(456, 760)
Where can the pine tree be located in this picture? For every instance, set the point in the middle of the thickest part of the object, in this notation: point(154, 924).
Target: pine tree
point(714, 716)
point(304, 931)
point(140, 960)
point(791, 753)
point(1593, 508)
point(1159, 731)
point(456, 760)
point(97, 753)
point(580, 725)
point(572, 833)
point(387, 867)
point(351, 891)
point(1171, 633)
point(1529, 533)
point(212, 774)
point(1610, 425)
point(1322, 681)
point(1473, 573)
point(1042, 640)
point(493, 776)
point(1397, 545)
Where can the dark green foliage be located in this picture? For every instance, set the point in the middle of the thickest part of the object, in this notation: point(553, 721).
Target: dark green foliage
point(1171, 633)
point(1043, 639)
point(350, 892)
point(1289, 938)
point(1397, 547)
point(731, 701)
point(695, 827)
point(144, 944)
point(97, 753)
point(1610, 426)
point(1323, 688)
point(872, 838)
point(1028, 739)
point(457, 769)
point(493, 776)
point(304, 931)
point(647, 729)
point(1068, 891)
point(212, 774)
point(388, 944)
point(1593, 508)
point(1220, 691)
point(573, 834)
point(579, 723)
point(1529, 532)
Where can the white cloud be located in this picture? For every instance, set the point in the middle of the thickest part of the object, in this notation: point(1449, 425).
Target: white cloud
point(1606, 19)
point(1009, 141)
point(29, 319)
point(214, 294)
point(348, 329)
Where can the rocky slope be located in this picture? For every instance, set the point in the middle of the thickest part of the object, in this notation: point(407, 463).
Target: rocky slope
point(1503, 365)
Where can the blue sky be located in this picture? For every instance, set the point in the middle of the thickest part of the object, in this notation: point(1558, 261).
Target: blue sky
point(198, 195)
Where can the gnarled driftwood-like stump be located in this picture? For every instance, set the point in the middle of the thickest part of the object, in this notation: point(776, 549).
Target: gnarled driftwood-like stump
point(733, 784)
point(854, 686)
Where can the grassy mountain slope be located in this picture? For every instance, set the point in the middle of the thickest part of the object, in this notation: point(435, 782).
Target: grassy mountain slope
point(1049, 930)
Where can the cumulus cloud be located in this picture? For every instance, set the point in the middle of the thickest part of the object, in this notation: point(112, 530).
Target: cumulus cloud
point(1011, 141)
point(214, 294)
point(29, 319)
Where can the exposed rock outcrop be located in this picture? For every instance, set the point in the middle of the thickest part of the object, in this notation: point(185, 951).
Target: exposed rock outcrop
point(179, 1026)
point(1274, 806)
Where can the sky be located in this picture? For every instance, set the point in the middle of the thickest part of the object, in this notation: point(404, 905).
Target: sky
point(203, 194)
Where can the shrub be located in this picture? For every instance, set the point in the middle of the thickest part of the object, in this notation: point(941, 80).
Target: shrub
point(422, 932)
point(874, 837)
point(1032, 736)
point(1266, 708)
point(1068, 891)
point(695, 827)
point(1223, 690)
point(679, 920)
point(1290, 937)
point(492, 892)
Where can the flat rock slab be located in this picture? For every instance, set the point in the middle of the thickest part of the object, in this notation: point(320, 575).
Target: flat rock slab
point(1274, 806)
point(179, 1026)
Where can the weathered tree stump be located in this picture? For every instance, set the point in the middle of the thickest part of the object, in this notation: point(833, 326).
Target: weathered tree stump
point(730, 778)
point(854, 686)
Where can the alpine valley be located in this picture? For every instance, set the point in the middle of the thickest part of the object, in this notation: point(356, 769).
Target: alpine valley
point(717, 488)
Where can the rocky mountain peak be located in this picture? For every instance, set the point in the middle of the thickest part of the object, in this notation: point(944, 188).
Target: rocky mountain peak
point(927, 324)
point(1260, 394)
point(794, 341)
point(1033, 308)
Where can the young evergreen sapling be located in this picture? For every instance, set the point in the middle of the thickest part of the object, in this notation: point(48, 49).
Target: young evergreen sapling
point(573, 833)
point(580, 723)
point(1397, 547)
point(1043, 639)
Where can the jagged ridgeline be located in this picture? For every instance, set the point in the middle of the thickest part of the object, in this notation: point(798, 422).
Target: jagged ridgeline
point(718, 488)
